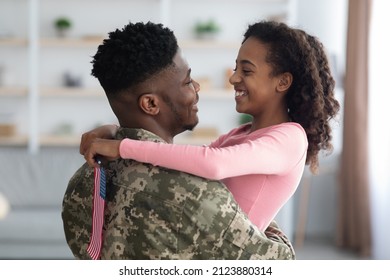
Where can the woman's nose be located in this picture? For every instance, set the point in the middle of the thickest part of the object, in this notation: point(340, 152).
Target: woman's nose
point(234, 78)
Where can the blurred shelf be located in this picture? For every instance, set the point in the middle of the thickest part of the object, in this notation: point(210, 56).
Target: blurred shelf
point(83, 42)
point(13, 91)
point(94, 41)
point(209, 44)
point(13, 42)
point(44, 140)
point(12, 141)
point(98, 92)
point(59, 140)
point(71, 92)
point(74, 140)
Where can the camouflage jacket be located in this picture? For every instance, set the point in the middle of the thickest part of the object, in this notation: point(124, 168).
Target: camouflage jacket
point(157, 213)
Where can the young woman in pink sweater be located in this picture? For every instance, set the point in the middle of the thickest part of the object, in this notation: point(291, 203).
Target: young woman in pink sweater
point(283, 80)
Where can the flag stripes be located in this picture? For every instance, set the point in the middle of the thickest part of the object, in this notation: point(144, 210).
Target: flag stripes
point(99, 197)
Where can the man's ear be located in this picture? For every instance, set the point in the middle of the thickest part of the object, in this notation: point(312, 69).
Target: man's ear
point(285, 81)
point(149, 103)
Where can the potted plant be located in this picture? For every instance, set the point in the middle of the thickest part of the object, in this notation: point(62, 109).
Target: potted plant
point(62, 25)
point(207, 29)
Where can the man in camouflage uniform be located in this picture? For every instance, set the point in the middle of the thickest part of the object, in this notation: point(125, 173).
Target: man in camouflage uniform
point(153, 212)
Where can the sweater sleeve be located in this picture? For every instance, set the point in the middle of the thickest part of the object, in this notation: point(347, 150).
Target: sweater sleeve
point(273, 153)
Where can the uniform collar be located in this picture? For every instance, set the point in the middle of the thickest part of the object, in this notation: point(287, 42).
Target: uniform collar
point(137, 134)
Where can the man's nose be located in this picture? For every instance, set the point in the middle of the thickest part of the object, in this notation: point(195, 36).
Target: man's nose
point(196, 86)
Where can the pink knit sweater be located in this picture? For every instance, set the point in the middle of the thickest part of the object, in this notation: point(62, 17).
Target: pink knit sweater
point(262, 168)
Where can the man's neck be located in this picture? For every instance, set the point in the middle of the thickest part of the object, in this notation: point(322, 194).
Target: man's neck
point(151, 126)
point(137, 134)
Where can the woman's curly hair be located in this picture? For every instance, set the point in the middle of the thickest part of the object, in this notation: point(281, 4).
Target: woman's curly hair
point(310, 99)
point(132, 55)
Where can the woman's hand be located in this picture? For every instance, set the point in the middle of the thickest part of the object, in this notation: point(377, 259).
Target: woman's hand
point(107, 149)
point(94, 143)
point(105, 132)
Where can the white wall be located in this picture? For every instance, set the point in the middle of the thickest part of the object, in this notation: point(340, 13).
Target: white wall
point(327, 19)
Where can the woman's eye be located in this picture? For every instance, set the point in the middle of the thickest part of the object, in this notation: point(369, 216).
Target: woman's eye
point(244, 71)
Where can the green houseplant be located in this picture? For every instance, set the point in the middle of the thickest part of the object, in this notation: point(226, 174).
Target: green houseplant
point(62, 25)
point(206, 29)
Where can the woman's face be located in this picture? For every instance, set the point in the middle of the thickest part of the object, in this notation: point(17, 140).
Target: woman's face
point(255, 87)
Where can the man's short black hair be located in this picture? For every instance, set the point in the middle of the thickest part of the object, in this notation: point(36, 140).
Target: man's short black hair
point(132, 55)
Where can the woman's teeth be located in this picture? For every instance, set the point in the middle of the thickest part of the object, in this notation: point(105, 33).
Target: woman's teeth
point(240, 93)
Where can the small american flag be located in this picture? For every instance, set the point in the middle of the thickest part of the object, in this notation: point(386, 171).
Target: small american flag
point(99, 198)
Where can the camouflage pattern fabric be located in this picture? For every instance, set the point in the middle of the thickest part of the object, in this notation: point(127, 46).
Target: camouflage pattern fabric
point(158, 213)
